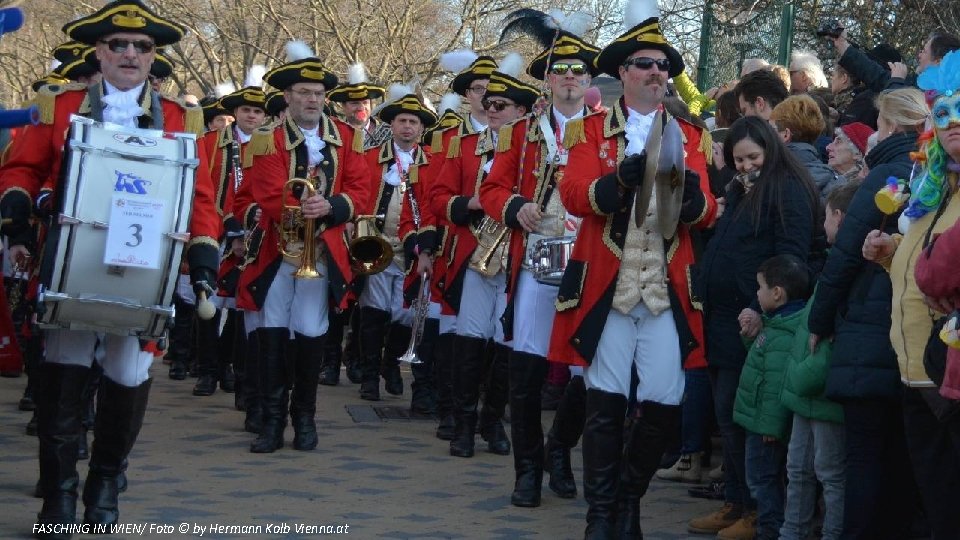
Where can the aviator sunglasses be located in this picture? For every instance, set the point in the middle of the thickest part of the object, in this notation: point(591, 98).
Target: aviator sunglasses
point(117, 45)
point(644, 62)
point(562, 69)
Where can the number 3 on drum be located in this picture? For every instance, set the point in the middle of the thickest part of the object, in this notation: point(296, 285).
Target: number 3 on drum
point(137, 229)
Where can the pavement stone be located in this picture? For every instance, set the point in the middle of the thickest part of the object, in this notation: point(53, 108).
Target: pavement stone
point(382, 473)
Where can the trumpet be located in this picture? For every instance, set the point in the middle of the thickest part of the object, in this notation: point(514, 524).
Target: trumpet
point(293, 226)
point(371, 254)
point(421, 310)
point(488, 258)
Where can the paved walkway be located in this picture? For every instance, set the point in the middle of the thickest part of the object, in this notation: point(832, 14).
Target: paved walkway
point(385, 478)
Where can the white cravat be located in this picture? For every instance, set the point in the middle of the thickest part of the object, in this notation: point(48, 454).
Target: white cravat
point(311, 137)
point(405, 158)
point(636, 130)
point(241, 136)
point(122, 106)
point(477, 126)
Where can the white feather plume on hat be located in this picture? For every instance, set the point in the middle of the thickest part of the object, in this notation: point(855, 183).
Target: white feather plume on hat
point(511, 65)
point(450, 102)
point(298, 50)
point(255, 76)
point(356, 73)
point(223, 89)
point(637, 11)
point(397, 91)
point(54, 64)
point(577, 23)
point(457, 61)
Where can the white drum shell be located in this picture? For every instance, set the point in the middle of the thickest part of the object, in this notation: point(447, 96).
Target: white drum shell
point(549, 258)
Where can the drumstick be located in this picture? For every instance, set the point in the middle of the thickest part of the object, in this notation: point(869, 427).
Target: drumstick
point(205, 308)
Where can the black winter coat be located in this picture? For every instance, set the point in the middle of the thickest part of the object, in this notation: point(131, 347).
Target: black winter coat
point(873, 75)
point(728, 273)
point(854, 297)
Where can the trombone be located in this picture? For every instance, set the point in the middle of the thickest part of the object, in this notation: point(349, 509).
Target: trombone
point(421, 310)
point(292, 226)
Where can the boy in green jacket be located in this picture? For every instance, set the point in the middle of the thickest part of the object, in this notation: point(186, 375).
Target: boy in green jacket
point(783, 288)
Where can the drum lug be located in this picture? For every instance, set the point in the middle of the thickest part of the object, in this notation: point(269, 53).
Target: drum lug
point(49, 296)
point(179, 236)
point(68, 220)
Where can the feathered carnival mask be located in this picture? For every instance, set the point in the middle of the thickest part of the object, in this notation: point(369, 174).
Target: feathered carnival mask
point(941, 85)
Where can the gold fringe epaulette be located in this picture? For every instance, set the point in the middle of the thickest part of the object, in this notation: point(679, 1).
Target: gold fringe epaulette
point(505, 138)
point(574, 133)
point(261, 144)
point(706, 145)
point(358, 140)
point(46, 99)
point(454, 149)
point(436, 141)
point(193, 120)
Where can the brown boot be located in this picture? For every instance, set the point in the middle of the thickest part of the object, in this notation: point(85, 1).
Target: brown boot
point(715, 522)
point(743, 529)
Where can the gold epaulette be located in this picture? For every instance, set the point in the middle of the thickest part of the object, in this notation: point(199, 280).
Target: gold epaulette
point(706, 145)
point(505, 138)
point(357, 140)
point(454, 149)
point(573, 133)
point(46, 98)
point(192, 115)
point(436, 140)
point(261, 144)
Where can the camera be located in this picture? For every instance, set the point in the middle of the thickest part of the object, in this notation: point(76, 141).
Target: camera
point(830, 29)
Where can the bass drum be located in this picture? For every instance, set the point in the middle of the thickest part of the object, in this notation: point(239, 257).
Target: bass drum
point(548, 258)
point(113, 250)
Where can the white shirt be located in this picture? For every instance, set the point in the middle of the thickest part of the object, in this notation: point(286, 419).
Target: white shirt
point(562, 120)
point(477, 126)
point(241, 136)
point(122, 106)
point(392, 175)
point(636, 130)
point(314, 145)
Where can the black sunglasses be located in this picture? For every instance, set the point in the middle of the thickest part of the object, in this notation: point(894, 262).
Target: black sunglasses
point(562, 69)
point(495, 105)
point(644, 62)
point(117, 45)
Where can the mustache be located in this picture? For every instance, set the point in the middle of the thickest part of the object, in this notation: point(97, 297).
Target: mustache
point(655, 78)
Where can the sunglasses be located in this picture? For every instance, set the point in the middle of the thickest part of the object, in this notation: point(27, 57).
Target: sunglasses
point(644, 62)
point(117, 45)
point(562, 69)
point(495, 105)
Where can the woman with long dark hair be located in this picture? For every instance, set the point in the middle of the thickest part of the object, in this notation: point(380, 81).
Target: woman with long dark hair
point(772, 209)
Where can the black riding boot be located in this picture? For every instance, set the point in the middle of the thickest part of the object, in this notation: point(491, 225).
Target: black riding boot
point(89, 414)
point(602, 451)
point(398, 339)
point(253, 405)
point(207, 355)
point(58, 400)
point(373, 327)
point(351, 348)
point(564, 435)
point(443, 379)
point(181, 338)
point(273, 389)
point(32, 347)
point(226, 375)
point(238, 339)
point(423, 388)
point(495, 401)
point(527, 372)
point(303, 399)
point(120, 411)
point(333, 350)
point(647, 439)
point(467, 370)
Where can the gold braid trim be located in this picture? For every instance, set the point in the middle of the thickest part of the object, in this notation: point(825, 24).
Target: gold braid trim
point(706, 145)
point(436, 140)
point(573, 133)
point(45, 101)
point(261, 144)
point(358, 141)
point(201, 240)
point(505, 138)
point(193, 120)
point(454, 149)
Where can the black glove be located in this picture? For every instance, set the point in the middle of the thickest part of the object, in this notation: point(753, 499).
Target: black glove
point(693, 199)
point(203, 279)
point(15, 206)
point(630, 170)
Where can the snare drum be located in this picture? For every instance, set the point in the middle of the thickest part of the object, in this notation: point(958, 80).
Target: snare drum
point(549, 258)
point(113, 252)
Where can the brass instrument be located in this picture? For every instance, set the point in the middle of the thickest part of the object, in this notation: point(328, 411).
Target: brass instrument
point(297, 232)
point(237, 168)
point(490, 255)
point(371, 254)
point(421, 310)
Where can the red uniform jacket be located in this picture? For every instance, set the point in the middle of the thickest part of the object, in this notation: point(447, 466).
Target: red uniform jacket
point(226, 156)
point(280, 154)
point(34, 159)
point(589, 189)
point(459, 180)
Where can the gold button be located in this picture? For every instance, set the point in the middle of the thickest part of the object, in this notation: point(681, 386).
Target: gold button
point(299, 167)
point(325, 162)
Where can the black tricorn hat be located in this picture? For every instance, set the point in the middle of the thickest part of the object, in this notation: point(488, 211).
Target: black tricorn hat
point(129, 16)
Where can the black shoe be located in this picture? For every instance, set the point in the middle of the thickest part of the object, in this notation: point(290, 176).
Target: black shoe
point(603, 435)
point(462, 444)
point(372, 331)
point(526, 489)
point(496, 437)
point(305, 433)
point(303, 399)
point(32, 425)
point(445, 431)
point(330, 375)
point(393, 382)
point(273, 389)
point(713, 491)
point(26, 402)
point(354, 373)
point(557, 465)
point(228, 383)
point(178, 370)
point(253, 423)
point(206, 385)
point(370, 390)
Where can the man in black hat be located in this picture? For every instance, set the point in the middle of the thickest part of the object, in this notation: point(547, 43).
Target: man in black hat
point(356, 99)
point(125, 34)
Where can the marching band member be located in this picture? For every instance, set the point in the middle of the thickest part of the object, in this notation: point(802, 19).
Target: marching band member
point(125, 34)
point(531, 207)
point(623, 305)
point(327, 152)
point(356, 99)
point(385, 323)
point(226, 148)
point(477, 294)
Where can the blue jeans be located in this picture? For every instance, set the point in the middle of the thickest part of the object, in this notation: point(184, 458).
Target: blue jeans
point(696, 411)
point(817, 450)
point(724, 383)
point(765, 463)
